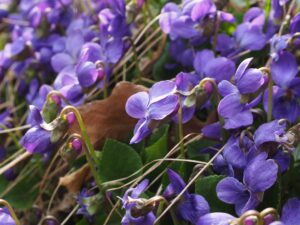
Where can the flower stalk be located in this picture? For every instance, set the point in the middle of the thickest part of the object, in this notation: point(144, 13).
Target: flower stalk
point(11, 211)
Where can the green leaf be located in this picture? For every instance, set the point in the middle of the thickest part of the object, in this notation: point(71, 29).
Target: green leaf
point(84, 221)
point(158, 145)
point(21, 196)
point(160, 72)
point(118, 160)
point(194, 149)
point(296, 153)
point(206, 186)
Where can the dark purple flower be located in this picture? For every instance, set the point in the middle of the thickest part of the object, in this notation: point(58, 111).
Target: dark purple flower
point(185, 83)
point(192, 206)
point(207, 65)
point(290, 214)
point(247, 36)
point(181, 53)
point(259, 175)
point(285, 64)
point(270, 132)
point(285, 101)
point(295, 24)
point(5, 217)
point(69, 56)
point(68, 85)
point(199, 9)
point(36, 139)
point(160, 102)
point(212, 130)
point(130, 200)
point(221, 166)
point(173, 22)
point(239, 156)
point(278, 44)
point(277, 8)
point(237, 114)
point(87, 73)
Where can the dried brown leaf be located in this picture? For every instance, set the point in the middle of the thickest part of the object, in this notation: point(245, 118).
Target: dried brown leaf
point(107, 118)
point(74, 181)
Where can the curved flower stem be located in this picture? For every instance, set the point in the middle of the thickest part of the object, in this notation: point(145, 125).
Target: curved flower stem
point(90, 151)
point(180, 129)
point(266, 70)
point(11, 211)
point(270, 100)
point(83, 129)
point(53, 92)
point(217, 27)
point(105, 87)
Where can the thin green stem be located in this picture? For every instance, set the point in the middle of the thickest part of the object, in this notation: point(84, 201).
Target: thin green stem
point(105, 87)
point(266, 70)
point(180, 129)
point(270, 100)
point(12, 136)
point(90, 152)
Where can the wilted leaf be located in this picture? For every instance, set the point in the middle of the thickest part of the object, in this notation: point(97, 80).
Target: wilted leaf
point(107, 118)
point(74, 181)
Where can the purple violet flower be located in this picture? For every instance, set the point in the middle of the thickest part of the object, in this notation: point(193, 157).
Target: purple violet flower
point(216, 218)
point(259, 175)
point(207, 65)
point(5, 217)
point(192, 206)
point(160, 102)
point(295, 24)
point(286, 91)
point(272, 132)
point(290, 214)
point(130, 200)
point(36, 139)
point(237, 114)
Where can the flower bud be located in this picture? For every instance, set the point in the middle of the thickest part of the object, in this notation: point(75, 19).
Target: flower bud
point(71, 118)
point(76, 145)
point(250, 221)
point(51, 108)
point(268, 219)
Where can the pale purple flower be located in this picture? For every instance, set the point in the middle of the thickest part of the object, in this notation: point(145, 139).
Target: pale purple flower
point(159, 103)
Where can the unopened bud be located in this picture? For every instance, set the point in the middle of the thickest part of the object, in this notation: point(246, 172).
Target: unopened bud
point(76, 145)
point(71, 118)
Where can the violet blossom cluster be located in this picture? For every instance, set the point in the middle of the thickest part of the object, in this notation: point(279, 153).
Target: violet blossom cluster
point(237, 75)
point(53, 46)
point(222, 71)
